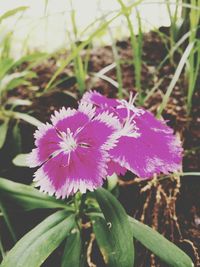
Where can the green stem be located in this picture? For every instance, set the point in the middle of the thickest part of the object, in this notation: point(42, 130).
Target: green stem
point(83, 198)
point(7, 220)
point(136, 47)
point(2, 249)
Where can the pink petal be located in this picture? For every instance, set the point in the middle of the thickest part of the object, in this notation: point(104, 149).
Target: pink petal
point(156, 150)
point(47, 142)
point(73, 120)
point(100, 131)
point(99, 100)
point(63, 175)
point(79, 161)
point(114, 167)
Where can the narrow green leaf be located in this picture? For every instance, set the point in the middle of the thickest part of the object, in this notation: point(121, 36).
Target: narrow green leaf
point(77, 50)
point(105, 241)
point(11, 81)
point(72, 252)
point(118, 230)
point(18, 102)
point(35, 122)
point(33, 59)
point(2, 251)
point(28, 197)
point(20, 160)
point(175, 78)
point(33, 249)
point(3, 132)
point(112, 182)
point(12, 12)
point(159, 245)
point(5, 65)
point(16, 139)
point(7, 221)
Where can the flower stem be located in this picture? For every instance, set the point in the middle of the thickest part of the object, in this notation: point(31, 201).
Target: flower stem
point(7, 220)
point(2, 249)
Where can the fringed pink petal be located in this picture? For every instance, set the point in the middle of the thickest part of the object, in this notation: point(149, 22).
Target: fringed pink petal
point(114, 167)
point(73, 120)
point(100, 132)
point(63, 113)
point(155, 151)
point(99, 100)
point(47, 143)
point(65, 174)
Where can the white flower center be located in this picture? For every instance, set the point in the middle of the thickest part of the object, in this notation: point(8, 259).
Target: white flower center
point(68, 142)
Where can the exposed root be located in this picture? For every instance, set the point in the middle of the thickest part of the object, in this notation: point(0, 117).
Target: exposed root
point(153, 260)
point(89, 251)
point(159, 209)
point(127, 183)
point(194, 249)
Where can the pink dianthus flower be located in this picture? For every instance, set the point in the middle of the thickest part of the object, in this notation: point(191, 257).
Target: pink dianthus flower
point(72, 151)
point(154, 150)
point(80, 148)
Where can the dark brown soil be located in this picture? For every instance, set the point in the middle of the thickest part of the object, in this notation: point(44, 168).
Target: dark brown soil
point(168, 204)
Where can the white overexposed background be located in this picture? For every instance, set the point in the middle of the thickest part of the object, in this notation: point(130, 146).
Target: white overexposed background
point(46, 24)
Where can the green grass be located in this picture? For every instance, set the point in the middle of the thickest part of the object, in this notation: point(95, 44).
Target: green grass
point(173, 26)
point(194, 58)
point(136, 43)
point(8, 222)
point(79, 69)
point(101, 27)
point(175, 78)
point(118, 66)
point(190, 19)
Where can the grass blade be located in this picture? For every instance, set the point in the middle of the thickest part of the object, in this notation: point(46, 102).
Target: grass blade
point(8, 223)
point(12, 12)
point(28, 197)
point(159, 245)
point(72, 252)
point(3, 131)
point(117, 229)
point(39, 243)
point(175, 78)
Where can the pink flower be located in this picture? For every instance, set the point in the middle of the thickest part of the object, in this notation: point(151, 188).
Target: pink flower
point(79, 148)
point(72, 151)
point(153, 150)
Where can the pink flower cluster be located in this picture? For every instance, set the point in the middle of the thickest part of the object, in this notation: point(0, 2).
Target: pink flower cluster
point(80, 148)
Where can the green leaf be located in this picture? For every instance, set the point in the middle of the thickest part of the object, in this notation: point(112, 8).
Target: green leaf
point(3, 132)
point(28, 197)
point(116, 233)
point(18, 102)
point(33, 59)
point(175, 78)
point(105, 241)
point(11, 81)
point(112, 181)
point(5, 65)
point(9, 225)
point(34, 248)
point(20, 160)
point(17, 139)
point(22, 116)
point(159, 245)
point(72, 252)
point(101, 28)
point(12, 12)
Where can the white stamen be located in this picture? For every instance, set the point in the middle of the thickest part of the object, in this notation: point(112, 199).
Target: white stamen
point(130, 106)
point(129, 128)
point(68, 142)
